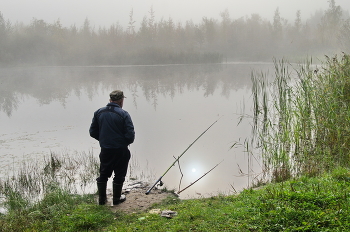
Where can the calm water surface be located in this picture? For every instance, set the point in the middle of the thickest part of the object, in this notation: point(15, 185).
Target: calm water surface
point(49, 109)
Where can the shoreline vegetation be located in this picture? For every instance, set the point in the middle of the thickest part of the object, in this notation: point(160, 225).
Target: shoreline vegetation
point(149, 42)
point(301, 127)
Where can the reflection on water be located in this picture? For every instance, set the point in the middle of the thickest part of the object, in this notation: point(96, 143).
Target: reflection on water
point(46, 109)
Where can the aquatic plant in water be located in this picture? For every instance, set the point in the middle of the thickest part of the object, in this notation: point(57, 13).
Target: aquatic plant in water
point(302, 118)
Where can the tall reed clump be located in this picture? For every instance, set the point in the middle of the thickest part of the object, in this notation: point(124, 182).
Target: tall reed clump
point(302, 118)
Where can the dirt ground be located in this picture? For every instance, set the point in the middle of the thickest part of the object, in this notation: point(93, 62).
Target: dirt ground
point(136, 199)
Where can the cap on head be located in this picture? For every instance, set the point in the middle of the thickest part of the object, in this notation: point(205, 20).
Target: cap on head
point(116, 95)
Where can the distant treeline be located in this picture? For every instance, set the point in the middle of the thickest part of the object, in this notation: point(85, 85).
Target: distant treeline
point(159, 42)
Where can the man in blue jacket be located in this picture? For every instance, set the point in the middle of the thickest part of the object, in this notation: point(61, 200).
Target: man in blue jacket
point(113, 128)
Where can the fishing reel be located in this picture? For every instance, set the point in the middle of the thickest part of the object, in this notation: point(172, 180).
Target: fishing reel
point(161, 183)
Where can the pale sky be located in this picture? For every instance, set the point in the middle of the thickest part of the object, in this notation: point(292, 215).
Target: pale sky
point(108, 12)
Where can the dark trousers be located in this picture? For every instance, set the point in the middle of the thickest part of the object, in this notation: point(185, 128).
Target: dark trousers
point(114, 160)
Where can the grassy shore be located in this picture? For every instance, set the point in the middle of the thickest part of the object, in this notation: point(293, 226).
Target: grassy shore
point(301, 128)
point(303, 204)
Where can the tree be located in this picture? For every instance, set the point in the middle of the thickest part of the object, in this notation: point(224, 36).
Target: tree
point(225, 29)
point(331, 23)
point(3, 38)
point(344, 37)
point(277, 25)
point(333, 16)
point(131, 26)
point(2, 25)
point(209, 30)
point(225, 22)
point(152, 26)
point(86, 29)
point(297, 22)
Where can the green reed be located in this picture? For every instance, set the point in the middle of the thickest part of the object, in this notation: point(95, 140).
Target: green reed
point(74, 173)
point(302, 118)
point(33, 180)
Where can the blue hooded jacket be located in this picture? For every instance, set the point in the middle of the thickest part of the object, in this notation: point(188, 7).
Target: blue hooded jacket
point(112, 127)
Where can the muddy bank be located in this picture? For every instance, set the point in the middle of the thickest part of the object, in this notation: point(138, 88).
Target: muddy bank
point(136, 199)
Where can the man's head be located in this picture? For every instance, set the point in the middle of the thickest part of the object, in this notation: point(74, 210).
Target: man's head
point(117, 96)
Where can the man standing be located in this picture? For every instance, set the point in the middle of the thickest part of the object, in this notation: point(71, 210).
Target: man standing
point(113, 128)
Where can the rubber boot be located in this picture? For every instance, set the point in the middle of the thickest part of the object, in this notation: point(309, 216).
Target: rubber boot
point(117, 194)
point(102, 195)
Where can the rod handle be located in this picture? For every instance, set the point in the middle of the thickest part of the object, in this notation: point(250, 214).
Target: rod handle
point(150, 189)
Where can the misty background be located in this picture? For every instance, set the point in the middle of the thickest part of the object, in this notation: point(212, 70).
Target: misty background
point(157, 39)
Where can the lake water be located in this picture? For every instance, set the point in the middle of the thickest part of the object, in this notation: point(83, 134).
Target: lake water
point(49, 109)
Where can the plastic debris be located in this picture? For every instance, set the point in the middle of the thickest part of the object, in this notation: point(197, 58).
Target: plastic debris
point(168, 213)
point(155, 211)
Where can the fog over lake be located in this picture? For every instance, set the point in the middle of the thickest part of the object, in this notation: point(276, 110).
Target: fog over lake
point(109, 12)
point(49, 109)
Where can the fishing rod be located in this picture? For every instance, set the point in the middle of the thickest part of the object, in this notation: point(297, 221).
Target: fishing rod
point(160, 178)
point(198, 179)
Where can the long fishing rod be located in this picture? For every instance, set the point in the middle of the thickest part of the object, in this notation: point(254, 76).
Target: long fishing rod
point(160, 178)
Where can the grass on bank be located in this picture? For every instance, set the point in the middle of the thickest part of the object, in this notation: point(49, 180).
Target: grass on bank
point(303, 204)
point(59, 210)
